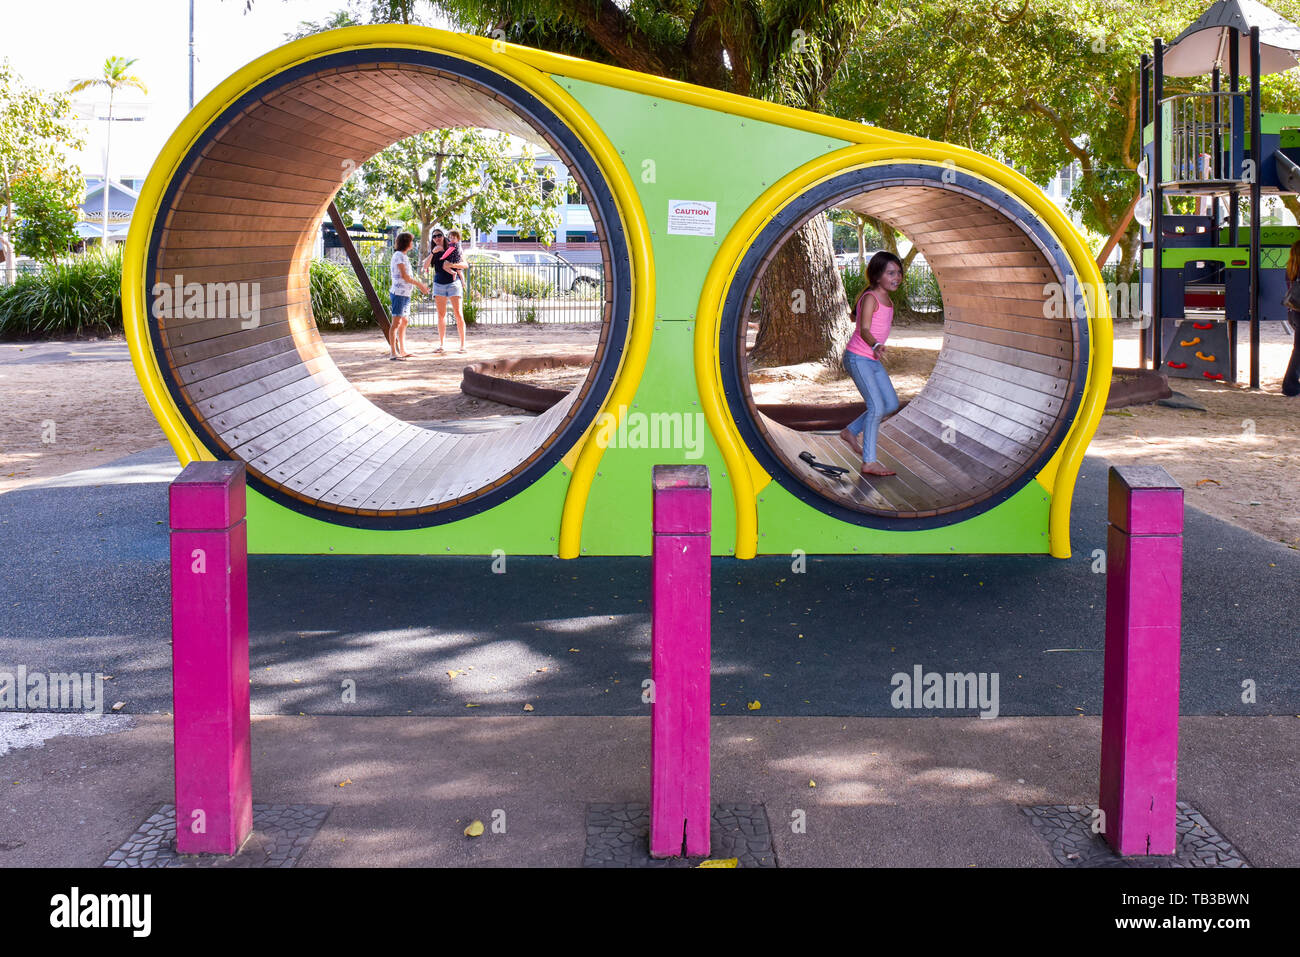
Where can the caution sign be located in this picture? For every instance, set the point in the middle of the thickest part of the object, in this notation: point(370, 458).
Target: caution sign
point(689, 217)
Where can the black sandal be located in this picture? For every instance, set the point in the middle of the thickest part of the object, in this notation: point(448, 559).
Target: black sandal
point(834, 471)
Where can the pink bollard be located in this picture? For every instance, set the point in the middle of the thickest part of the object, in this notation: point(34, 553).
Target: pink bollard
point(209, 559)
point(680, 662)
point(1144, 600)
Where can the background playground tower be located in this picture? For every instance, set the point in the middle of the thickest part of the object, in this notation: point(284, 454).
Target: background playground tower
point(987, 454)
point(1219, 147)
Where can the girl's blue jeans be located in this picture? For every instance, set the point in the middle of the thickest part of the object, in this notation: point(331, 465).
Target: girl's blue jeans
point(872, 380)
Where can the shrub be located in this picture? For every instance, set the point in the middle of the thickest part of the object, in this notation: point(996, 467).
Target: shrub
point(527, 286)
point(80, 295)
point(337, 299)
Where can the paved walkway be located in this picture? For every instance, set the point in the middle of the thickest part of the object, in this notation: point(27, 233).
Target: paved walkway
point(85, 586)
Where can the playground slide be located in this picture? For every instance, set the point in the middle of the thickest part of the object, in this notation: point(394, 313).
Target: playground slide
point(986, 455)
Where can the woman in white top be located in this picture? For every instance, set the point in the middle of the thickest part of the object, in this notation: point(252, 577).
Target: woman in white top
point(403, 282)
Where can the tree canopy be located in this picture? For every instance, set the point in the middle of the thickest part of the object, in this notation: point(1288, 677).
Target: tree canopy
point(37, 181)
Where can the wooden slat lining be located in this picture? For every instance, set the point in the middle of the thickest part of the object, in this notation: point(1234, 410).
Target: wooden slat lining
point(970, 443)
point(955, 245)
point(272, 447)
point(232, 360)
point(274, 422)
point(1060, 349)
point(205, 238)
point(199, 191)
point(852, 488)
point(215, 387)
point(1017, 376)
point(241, 272)
point(407, 463)
point(846, 490)
point(963, 255)
point(295, 375)
point(264, 156)
point(370, 459)
point(947, 494)
point(1037, 326)
point(347, 454)
point(407, 495)
point(305, 465)
point(955, 460)
point(180, 259)
point(194, 330)
point(977, 396)
point(308, 123)
point(195, 338)
point(263, 396)
point(1016, 441)
point(269, 179)
point(231, 341)
point(969, 418)
point(1029, 315)
point(1056, 366)
point(399, 466)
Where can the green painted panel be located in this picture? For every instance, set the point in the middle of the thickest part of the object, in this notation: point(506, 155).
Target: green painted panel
point(528, 524)
point(1276, 122)
point(664, 426)
point(1017, 526)
point(678, 152)
point(1270, 257)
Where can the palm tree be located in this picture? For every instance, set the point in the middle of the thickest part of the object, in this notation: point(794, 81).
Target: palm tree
point(115, 77)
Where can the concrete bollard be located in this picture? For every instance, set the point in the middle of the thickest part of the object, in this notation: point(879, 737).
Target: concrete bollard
point(209, 573)
point(680, 662)
point(1139, 723)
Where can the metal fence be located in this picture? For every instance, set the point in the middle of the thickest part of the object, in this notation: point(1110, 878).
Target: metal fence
point(502, 293)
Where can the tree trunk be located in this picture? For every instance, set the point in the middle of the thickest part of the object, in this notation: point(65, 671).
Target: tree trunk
point(10, 260)
point(1128, 255)
point(804, 315)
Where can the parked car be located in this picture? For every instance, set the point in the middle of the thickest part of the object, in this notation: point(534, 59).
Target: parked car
point(542, 265)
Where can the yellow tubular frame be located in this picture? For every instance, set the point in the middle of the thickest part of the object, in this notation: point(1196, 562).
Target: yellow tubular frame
point(865, 145)
point(493, 55)
point(747, 476)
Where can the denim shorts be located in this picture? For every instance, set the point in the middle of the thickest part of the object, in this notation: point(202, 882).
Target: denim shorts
point(447, 289)
point(401, 304)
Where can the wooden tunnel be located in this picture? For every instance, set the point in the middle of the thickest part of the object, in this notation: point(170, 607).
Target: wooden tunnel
point(246, 210)
point(1005, 385)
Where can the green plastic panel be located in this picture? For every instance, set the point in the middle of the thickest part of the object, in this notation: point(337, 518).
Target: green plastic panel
point(672, 152)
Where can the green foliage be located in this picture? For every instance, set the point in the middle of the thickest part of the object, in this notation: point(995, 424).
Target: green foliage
point(48, 207)
point(448, 176)
point(919, 292)
point(337, 299)
point(469, 309)
point(37, 133)
point(79, 296)
point(528, 286)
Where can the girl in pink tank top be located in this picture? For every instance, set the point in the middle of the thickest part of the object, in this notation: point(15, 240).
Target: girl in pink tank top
point(873, 315)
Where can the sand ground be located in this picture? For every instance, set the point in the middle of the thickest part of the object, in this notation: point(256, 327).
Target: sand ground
point(71, 405)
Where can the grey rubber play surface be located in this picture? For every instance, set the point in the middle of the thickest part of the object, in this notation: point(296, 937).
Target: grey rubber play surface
point(85, 586)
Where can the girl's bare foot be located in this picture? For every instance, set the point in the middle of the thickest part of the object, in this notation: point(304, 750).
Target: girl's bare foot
point(875, 469)
point(855, 441)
